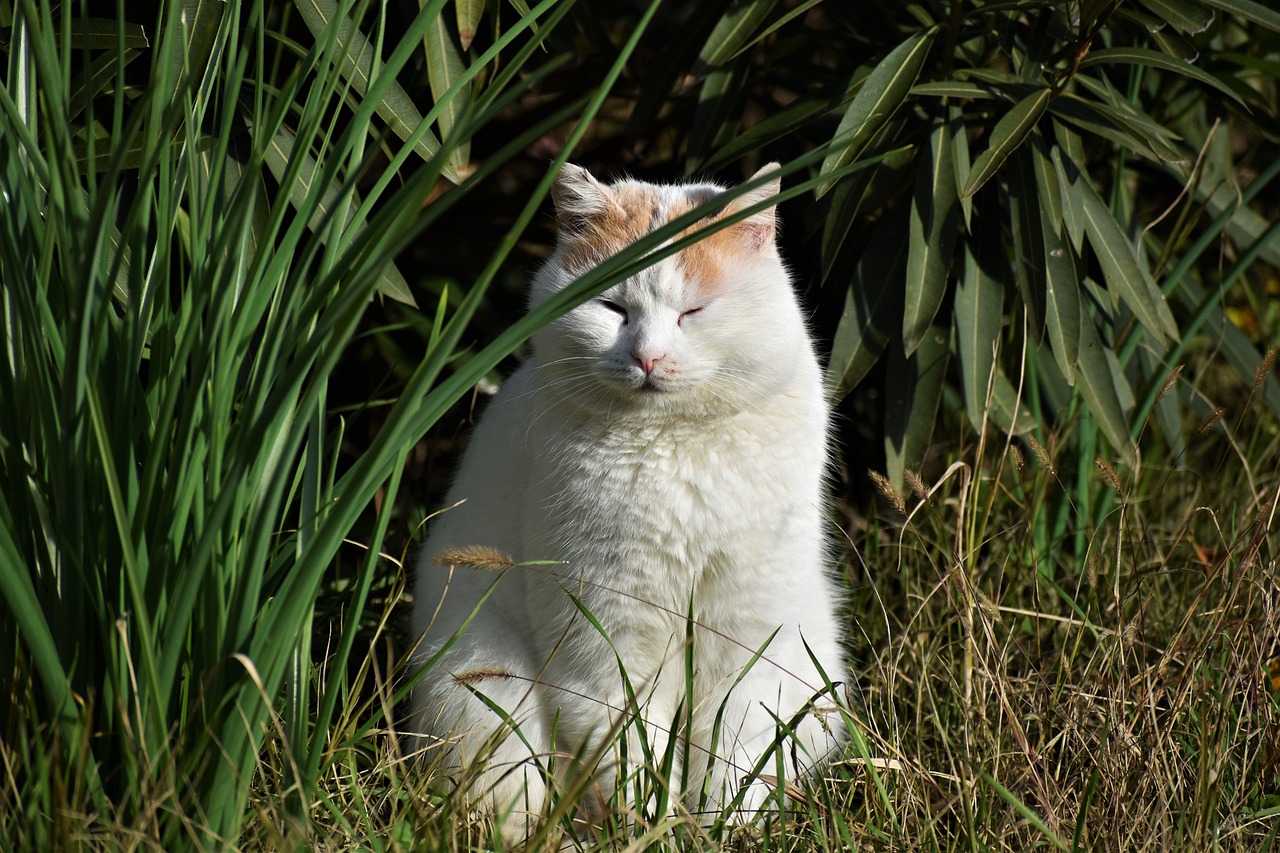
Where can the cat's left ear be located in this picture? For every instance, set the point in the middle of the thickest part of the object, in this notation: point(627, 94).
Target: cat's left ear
point(760, 229)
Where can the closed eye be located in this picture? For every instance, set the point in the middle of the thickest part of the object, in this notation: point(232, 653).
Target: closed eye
point(690, 312)
point(615, 308)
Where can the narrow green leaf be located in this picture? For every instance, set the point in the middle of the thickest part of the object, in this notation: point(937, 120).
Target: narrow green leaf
point(1008, 412)
point(1046, 181)
point(979, 317)
point(1183, 15)
point(395, 108)
point(864, 190)
point(954, 89)
point(1023, 809)
point(332, 204)
point(200, 20)
point(1119, 109)
point(107, 34)
point(1098, 387)
point(1067, 172)
point(960, 159)
point(913, 391)
point(1176, 46)
point(89, 83)
point(1246, 225)
point(1126, 276)
point(1155, 59)
point(1007, 135)
point(1267, 16)
point(469, 13)
point(882, 92)
point(782, 21)
point(1062, 300)
point(1062, 292)
point(733, 31)
point(931, 236)
point(781, 124)
point(717, 115)
point(873, 306)
point(1111, 123)
point(1205, 306)
point(19, 597)
point(1023, 202)
point(444, 68)
point(1124, 391)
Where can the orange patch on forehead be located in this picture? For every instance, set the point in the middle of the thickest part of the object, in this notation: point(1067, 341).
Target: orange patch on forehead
point(702, 265)
point(633, 211)
point(631, 215)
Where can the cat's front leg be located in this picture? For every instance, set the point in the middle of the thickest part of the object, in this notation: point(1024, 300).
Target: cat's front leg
point(619, 713)
point(778, 720)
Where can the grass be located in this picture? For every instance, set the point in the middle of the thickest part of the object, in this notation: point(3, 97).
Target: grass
point(1011, 693)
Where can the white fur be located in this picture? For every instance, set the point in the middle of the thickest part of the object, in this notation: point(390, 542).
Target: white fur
point(707, 491)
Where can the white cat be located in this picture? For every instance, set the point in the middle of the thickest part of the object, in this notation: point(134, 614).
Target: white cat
point(666, 444)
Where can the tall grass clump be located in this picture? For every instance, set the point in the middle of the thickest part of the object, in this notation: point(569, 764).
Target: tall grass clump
point(199, 205)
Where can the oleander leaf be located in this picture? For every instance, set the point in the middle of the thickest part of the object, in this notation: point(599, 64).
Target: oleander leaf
point(1183, 15)
point(444, 68)
point(931, 236)
point(1006, 136)
point(979, 319)
point(913, 391)
point(961, 164)
point(357, 62)
point(880, 95)
point(734, 31)
point(1062, 292)
point(1097, 385)
point(1155, 59)
point(468, 14)
point(872, 310)
point(1125, 274)
point(1264, 15)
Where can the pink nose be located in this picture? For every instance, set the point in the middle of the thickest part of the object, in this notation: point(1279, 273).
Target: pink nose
point(648, 361)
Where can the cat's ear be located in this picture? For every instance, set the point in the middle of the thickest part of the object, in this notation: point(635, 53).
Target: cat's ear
point(579, 198)
point(759, 229)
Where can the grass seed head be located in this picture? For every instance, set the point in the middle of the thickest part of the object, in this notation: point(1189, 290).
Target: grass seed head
point(885, 488)
point(1169, 382)
point(1109, 475)
point(987, 606)
point(1264, 368)
point(474, 557)
point(917, 485)
point(1019, 461)
point(1212, 420)
point(1041, 454)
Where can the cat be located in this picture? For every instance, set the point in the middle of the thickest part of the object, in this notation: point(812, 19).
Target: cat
point(666, 446)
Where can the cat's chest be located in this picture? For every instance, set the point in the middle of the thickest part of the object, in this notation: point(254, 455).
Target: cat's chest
point(688, 488)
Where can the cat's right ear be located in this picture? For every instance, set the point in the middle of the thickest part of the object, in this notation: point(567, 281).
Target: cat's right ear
point(579, 198)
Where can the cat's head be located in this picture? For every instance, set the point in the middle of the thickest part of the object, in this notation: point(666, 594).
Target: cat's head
point(712, 328)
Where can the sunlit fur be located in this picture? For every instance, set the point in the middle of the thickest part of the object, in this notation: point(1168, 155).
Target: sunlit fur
point(696, 488)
